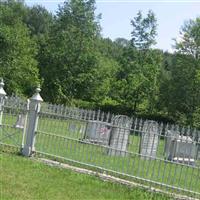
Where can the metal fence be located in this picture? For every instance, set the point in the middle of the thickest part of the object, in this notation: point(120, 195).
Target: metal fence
point(13, 122)
point(155, 154)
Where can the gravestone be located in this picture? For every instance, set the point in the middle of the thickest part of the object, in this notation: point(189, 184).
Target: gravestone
point(82, 128)
point(170, 136)
point(149, 140)
point(119, 135)
point(182, 149)
point(97, 132)
point(72, 128)
point(20, 121)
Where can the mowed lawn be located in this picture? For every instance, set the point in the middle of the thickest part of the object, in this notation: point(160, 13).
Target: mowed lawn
point(22, 178)
point(54, 138)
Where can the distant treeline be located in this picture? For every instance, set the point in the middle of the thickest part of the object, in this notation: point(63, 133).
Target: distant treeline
point(66, 53)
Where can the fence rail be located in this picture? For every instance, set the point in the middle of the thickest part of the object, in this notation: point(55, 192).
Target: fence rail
point(152, 153)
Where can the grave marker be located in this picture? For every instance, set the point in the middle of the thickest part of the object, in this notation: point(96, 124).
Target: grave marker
point(97, 132)
point(72, 127)
point(20, 121)
point(183, 150)
point(119, 135)
point(170, 136)
point(149, 140)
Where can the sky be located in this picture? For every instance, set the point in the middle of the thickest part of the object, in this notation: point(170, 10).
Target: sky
point(117, 14)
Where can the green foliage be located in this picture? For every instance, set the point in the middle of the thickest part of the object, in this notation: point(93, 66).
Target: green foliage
point(70, 58)
point(17, 53)
point(144, 31)
point(190, 38)
point(136, 84)
point(104, 76)
point(77, 66)
point(180, 88)
point(38, 20)
point(137, 78)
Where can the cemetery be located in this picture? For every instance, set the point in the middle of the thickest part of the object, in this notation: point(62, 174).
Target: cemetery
point(135, 147)
point(121, 98)
point(117, 136)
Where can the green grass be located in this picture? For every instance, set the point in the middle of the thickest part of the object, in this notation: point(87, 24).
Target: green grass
point(71, 148)
point(174, 174)
point(23, 179)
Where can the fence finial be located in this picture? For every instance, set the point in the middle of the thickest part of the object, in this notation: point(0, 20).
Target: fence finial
point(36, 96)
point(2, 91)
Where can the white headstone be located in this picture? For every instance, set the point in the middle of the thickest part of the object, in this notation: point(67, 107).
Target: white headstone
point(98, 132)
point(149, 140)
point(72, 128)
point(170, 136)
point(82, 128)
point(20, 121)
point(119, 135)
point(182, 149)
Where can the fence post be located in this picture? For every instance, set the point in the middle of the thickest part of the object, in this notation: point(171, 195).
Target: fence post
point(34, 109)
point(2, 96)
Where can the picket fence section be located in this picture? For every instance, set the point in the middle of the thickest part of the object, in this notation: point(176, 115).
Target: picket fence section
point(166, 156)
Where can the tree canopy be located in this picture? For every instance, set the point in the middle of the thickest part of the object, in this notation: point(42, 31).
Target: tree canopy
point(66, 53)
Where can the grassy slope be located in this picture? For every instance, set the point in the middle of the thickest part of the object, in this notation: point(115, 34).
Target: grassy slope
point(21, 178)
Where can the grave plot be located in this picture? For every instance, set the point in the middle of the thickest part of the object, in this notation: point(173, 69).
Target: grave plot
point(97, 132)
point(149, 140)
point(181, 148)
point(119, 135)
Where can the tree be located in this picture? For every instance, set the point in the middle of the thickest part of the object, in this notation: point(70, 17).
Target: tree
point(137, 79)
point(109, 49)
point(184, 87)
point(137, 82)
point(19, 10)
point(122, 42)
point(185, 79)
point(70, 56)
point(189, 43)
point(17, 52)
point(144, 31)
point(165, 80)
point(39, 20)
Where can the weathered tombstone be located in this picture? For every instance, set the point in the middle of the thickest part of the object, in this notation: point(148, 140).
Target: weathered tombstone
point(183, 150)
point(82, 128)
point(20, 121)
point(119, 135)
point(149, 140)
point(97, 132)
point(170, 136)
point(72, 128)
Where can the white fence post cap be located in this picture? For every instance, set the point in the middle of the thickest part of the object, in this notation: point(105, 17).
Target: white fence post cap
point(36, 96)
point(2, 91)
